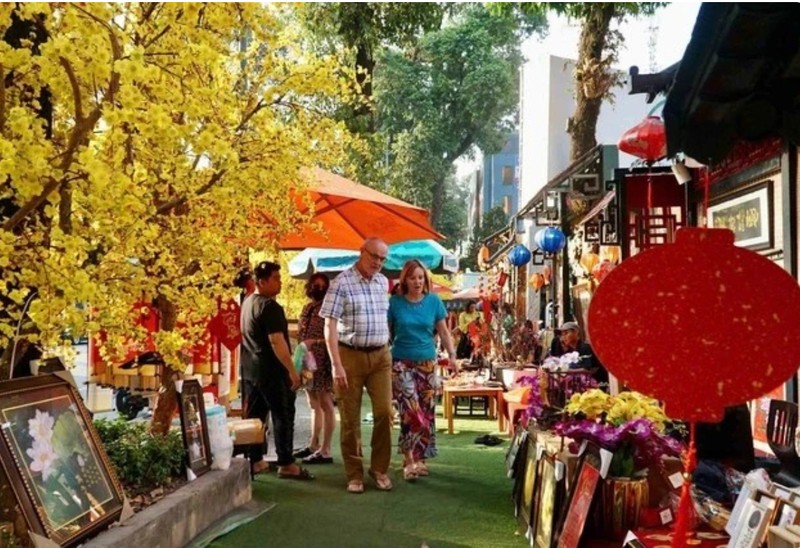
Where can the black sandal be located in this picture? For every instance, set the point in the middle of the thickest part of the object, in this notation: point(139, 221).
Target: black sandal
point(303, 453)
point(303, 475)
point(317, 458)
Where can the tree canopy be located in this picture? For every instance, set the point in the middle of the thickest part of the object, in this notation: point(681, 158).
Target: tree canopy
point(165, 138)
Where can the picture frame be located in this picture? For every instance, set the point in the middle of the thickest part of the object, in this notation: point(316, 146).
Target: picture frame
point(52, 456)
point(579, 500)
point(749, 214)
point(550, 495)
point(752, 527)
point(759, 415)
point(526, 496)
point(519, 440)
point(194, 428)
point(786, 513)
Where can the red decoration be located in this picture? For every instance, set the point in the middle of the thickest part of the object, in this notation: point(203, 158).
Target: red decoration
point(700, 324)
point(601, 270)
point(225, 325)
point(502, 279)
point(646, 140)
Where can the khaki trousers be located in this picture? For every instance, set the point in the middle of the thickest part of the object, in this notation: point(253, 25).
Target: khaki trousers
point(372, 370)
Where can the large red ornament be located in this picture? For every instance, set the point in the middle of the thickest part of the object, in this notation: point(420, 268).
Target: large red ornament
point(646, 140)
point(700, 324)
point(225, 325)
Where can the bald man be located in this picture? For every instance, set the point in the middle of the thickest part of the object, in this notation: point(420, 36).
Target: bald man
point(357, 335)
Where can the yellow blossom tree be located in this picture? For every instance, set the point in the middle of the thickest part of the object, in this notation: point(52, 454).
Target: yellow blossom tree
point(171, 123)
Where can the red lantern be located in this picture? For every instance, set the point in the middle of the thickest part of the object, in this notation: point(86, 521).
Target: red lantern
point(225, 325)
point(718, 330)
point(501, 279)
point(646, 140)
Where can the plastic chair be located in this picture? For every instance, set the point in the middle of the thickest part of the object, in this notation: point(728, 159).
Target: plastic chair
point(781, 426)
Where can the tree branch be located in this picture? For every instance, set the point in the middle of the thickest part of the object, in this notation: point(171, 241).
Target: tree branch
point(166, 207)
point(76, 90)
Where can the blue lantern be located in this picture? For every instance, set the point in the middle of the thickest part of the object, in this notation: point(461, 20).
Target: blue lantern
point(519, 256)
point(550, 239)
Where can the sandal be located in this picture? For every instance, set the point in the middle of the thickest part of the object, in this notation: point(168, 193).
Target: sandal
point(303, 453)
point(409, 473)
point(317, 458)
point(421, 469)
point(355, 486)
point(382, 481)
point(303, 475)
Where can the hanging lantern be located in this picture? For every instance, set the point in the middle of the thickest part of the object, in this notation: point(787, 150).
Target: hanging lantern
point(601, 270)
point(646, 140)
point(550, 239)
point(483, 256)
point(536, 281)
point(547, 274)
point(589, 261)
point(519, 256)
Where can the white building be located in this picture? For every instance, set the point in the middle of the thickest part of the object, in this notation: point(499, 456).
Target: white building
point(546, 104)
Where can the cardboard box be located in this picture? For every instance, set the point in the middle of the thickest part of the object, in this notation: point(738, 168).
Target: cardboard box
point(246, 431)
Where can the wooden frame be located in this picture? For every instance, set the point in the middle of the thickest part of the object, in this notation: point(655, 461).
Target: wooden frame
point(749, 214)
point(57, 467)
point(752, 527)
point(194, 428)
point(513, 454)
point(528, 480)
point(550, 495)
point(579, 500)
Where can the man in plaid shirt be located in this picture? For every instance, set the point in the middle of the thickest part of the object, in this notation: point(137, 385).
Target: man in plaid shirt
point(357, 335)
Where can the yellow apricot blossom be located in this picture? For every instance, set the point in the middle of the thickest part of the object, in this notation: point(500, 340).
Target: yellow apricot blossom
point(171, 123)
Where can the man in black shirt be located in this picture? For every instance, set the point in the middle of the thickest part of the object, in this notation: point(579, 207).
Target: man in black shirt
point(569, 340)
point(269, 379)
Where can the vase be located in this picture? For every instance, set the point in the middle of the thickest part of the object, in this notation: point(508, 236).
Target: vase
point(618, 505)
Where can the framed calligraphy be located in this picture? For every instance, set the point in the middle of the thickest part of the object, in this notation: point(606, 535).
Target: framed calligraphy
point(748, 214)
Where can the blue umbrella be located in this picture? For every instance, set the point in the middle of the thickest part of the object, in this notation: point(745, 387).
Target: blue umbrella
point(430, 253)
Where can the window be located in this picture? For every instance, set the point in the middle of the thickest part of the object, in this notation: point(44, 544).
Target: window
point(508, 175)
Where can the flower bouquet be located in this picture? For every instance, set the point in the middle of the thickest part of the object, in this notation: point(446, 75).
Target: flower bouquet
point(631, 425)
point(548, 390)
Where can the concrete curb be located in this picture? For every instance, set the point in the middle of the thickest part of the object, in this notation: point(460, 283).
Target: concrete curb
point(180, 516)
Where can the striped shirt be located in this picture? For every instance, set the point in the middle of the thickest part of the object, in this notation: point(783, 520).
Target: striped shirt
point(360, 306)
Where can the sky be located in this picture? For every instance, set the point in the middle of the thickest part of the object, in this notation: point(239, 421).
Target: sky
point(673, 26)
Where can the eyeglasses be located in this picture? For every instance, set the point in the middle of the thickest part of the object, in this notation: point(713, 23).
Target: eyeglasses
point(375, 256)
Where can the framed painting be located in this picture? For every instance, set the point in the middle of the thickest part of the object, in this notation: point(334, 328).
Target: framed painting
point(194, 427)
point(550, 497)
point(52, 456)
point(528, 484)
point(579, 500)
point(748, 214)
point(513, 453)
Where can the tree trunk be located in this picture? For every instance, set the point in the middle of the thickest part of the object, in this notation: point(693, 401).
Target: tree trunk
point(437, 200)
point(592, 78)
point(167, 400)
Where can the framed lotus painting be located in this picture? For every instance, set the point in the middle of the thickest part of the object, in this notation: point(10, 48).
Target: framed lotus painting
point(54, 460)
point(194, 427)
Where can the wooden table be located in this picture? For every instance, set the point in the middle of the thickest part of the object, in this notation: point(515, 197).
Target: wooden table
point(495, 396)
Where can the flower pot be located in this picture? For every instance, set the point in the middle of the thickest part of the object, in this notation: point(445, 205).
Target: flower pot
point(618, 504)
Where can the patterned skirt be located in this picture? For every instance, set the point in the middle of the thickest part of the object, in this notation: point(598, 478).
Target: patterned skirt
point(414, 385)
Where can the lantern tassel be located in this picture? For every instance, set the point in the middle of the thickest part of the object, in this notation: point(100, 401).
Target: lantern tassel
point(686, 506)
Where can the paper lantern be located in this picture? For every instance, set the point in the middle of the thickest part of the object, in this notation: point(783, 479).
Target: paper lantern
point(547, 274)
point(646, 140)
point(550, 239)
point(483, 256)
point(700, 324)
point(589, 261)
point(601, 270)
point(536, 281)
point(519, 255)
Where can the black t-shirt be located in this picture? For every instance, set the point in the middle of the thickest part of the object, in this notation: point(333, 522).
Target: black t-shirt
point(262, 316)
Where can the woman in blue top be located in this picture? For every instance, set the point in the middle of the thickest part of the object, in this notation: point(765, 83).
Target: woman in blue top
point(415, 314)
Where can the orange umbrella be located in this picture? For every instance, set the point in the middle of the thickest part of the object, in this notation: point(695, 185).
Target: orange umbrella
point(350, 212)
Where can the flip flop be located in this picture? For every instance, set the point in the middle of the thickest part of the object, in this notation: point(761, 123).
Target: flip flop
point(256, 470)
point(303, 475)
point(492, 440)
point(356, 487)
point(382, 483)
point(303, 453)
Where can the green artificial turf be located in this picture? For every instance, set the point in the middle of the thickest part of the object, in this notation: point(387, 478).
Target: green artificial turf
point(466, 501)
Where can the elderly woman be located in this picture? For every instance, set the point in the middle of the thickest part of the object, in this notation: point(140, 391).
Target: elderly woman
point(414, 315)
point(310, 330)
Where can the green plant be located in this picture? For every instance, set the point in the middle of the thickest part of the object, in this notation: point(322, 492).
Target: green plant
point(143, 461)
